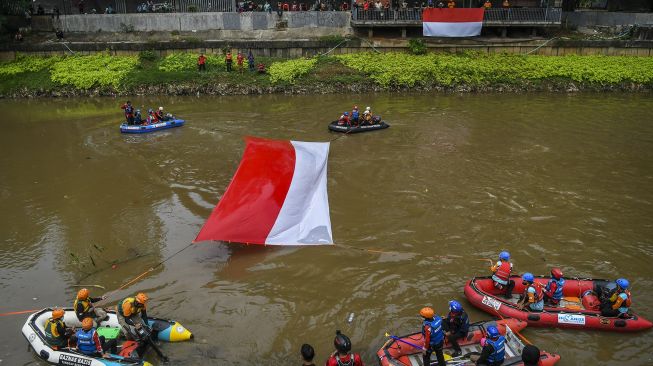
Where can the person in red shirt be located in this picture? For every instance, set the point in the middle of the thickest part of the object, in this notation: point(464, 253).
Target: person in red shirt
point(239, 61)
point(341, 356)
point(201, 62)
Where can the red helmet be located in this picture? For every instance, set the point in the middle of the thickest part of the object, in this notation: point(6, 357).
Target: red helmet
point(556, 273)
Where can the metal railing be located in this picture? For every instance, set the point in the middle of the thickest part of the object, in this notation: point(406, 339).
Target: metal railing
point(511, 16)
point(204, 5)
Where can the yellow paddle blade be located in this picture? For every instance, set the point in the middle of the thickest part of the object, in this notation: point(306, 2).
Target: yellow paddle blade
point(447, 357)
point(387, 334)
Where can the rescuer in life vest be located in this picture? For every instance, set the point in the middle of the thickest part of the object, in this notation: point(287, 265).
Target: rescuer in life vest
point(501, 274)
point(90, 344)
point(84, 308)
point(553, 289)
point(132, 315)
point(494, 351)
point(162, 116)
point(129, 112)
point(344, 119)
point(532, 299)
point(455, 326)
point(620, 301)
point(355, 115)
point(342, 356)
point(56, 333)
point(433, 336)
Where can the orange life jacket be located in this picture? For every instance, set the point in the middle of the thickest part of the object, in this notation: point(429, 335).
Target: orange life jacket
point(503, 272)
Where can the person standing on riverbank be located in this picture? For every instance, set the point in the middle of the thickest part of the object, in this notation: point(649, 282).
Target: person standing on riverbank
point(201, 63)
point(250, 62)
point(239, 61)
point(228, 60)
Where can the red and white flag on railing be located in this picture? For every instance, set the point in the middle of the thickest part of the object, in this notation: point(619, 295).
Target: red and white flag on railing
point(456, 22)
point(278, 196)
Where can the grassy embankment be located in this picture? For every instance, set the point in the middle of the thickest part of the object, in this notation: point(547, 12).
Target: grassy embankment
point(176, 74)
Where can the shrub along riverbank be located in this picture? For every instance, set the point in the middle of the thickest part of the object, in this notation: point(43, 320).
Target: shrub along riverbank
point(104, 74)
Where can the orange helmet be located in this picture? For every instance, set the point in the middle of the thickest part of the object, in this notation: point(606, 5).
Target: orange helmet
point(82, 294)
point(87, 323)
point(141, 298)
point(57, 313)
point(427, 312)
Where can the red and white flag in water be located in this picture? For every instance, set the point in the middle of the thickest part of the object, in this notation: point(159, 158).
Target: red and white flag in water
point(456, 22)
point(278, 196)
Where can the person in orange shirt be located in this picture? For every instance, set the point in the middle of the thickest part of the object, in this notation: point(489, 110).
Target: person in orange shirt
point(239, 61)
point(451, 4)
point(228, 60)
point(487, 4)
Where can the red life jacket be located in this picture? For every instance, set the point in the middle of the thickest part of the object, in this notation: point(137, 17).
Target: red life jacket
point(503, 272)
point(628, 301)
point(539, 295)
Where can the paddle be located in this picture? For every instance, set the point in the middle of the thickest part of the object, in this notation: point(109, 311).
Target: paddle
point(402, 341)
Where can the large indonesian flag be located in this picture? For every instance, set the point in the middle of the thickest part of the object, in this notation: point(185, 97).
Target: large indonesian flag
point(277, 196)
point(456, 22)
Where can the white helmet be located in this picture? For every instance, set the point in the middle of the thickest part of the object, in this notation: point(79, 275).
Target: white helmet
point(367, 108)
point(160, 108)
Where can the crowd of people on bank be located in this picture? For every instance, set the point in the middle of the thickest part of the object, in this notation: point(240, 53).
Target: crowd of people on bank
point(252, 66)
point(134, 117)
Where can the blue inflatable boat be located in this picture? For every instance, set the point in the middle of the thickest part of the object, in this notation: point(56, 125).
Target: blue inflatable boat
point(125, 128)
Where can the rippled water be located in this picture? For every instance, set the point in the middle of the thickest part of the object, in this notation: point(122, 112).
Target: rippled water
point(562, 180)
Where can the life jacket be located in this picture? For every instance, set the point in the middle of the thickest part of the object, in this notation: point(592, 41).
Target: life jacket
point(538, 291)
point(85, 304)
point(201, 60)
point(132, 302)
point(502, 274)
point(626, 303)
point(457, 321)
point(499, 353)
point(342, 363)
point(557, 295)
point(129, 110)
point(354, 114)
point(229, 57)
point(85, 341)
point(437, 335)
point(52, 335)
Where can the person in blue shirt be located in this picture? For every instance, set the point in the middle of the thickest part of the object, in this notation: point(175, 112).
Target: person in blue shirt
point(553, 289)
point(433, 336)
point(89, 343)
point(355, 115)
point(494, 351)
point(455, 326)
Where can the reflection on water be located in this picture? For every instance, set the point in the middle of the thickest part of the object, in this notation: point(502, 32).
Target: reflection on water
point(557, 180)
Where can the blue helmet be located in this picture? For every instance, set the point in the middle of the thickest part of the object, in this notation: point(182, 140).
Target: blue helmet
point(623, 283)
point(492, 331)
point(504, 255)
point(528, 277)
point(346, 113)
point(455, 306)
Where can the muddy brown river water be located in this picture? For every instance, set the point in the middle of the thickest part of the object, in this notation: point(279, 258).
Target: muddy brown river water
point(558, 180)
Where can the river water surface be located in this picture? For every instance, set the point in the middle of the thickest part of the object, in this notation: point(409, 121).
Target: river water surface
point(558, 180)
